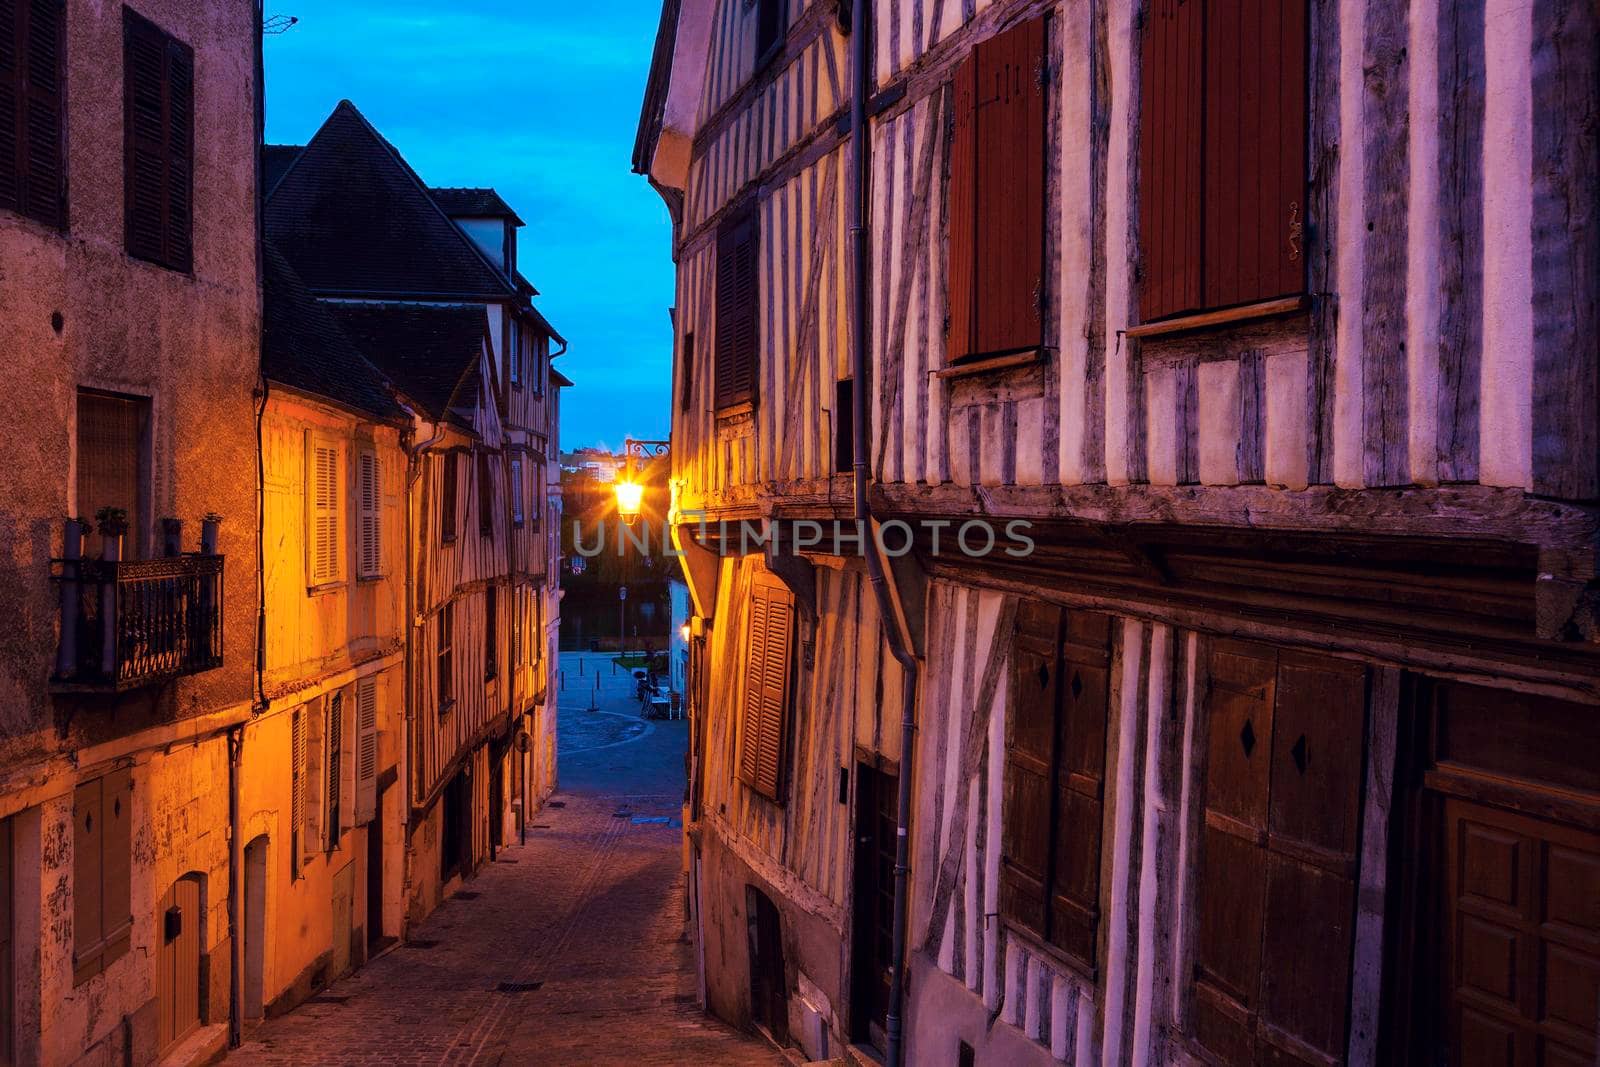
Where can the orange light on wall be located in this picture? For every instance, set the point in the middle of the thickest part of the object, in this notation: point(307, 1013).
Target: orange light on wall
point(630, 496)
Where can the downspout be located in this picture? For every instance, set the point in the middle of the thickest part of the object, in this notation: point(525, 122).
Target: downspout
point(860, 154)
point(258, 697)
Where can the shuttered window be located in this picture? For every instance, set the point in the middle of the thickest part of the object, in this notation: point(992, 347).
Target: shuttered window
point(1054, 786)
point(447, 498)
point(766, 689)
point(514, 354)
point(366, 749)
point(339, 766)
point(485, 496)
point(32, 116)
point(491, 636)
point(369, 515)
point(444, 667)
point(996, 198)
point(158, 143)
point(111, 459)
point(323, 539)
point(771, 21)
point(297, 786)
point(314, 832)
point(686, 373)
point(1222, 154)
point(517, 510)
point(1277, 882)
point(738, 297)
point(102, 871)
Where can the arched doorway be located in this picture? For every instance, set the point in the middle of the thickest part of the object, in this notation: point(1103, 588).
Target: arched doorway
point(179, 937)
point(255, 927)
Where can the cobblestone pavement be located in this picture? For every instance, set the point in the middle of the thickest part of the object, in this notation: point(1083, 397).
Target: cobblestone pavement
point(571, 949)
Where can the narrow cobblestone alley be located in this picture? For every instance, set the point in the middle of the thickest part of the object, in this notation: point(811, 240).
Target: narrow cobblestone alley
point(571, 949)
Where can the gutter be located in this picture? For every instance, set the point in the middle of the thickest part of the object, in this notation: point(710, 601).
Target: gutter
point(860, 156)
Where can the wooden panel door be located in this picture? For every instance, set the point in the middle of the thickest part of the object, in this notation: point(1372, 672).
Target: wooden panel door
point(178, 962)
point(1522, 944)
point(872, 920)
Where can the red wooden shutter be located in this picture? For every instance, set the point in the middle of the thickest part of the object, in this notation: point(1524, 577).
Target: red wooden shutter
point(959, 342)
point(1085, 695)
point(1278, 878)
point(738, 335)
point(766, 687)
point(1170, 139)
point(997, 172)
point(1026, 828)
point(159, 104)
point(1255, 115)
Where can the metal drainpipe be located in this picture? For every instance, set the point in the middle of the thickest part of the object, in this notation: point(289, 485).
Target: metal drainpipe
point(860, 154)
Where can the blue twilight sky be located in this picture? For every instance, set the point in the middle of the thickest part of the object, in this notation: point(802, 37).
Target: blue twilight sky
point(539, 100)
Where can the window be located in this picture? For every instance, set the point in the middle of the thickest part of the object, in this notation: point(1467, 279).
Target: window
point(686, 375)
point(997, 171)
point(102, 873)
point(1222, 155)
point(158, 142)
point(369, 517)
point(1276, 885)
point(323, 534)
point(485, 496)
point(771, 22)
point(514, 354)
point(337, 765)
point(447, 498)
point(1059, 695)
point(516, 491)
point(366, 749)
point(297, 787)
point(443, 666)
point(766, 688)
point(32, 74)
point(491, 636)
point(316, 756)
point(844, 425)
point(738, 335)
point(111, 459)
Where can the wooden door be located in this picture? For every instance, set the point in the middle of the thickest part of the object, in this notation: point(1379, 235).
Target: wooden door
point(1522, 939)
point(7, 971)
point(769, 987)
point(178, 963)
point(877, 796)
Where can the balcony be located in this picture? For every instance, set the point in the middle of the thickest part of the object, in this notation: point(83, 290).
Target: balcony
point(130, 624)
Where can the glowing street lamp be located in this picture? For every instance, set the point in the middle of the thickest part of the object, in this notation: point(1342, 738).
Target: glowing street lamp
point(630, 496)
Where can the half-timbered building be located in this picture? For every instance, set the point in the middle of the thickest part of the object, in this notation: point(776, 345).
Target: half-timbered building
point(424, 283)
point(1220, 379)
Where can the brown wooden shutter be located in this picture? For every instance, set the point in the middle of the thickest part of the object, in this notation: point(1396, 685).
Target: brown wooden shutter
point(366, 749)
point(369, 515)
point(1277, 883)
point(159, 133)
point(297, 784)
point(997, 173)
point(1085, 698)
point(738, 288)
point(336, 769)
point(116, 796)
point(32, 69)
point(1170, 146)
point(87, 930)
point(761, 741)
point(1255, 118)
point(1031, 736)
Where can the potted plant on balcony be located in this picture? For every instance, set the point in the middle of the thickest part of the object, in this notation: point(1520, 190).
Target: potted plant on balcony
point(209, 528)
point(113, 524)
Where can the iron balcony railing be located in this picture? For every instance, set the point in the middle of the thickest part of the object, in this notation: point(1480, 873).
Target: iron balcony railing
point(128, 624)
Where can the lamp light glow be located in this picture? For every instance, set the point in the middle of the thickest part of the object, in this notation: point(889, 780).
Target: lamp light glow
point(630, 495)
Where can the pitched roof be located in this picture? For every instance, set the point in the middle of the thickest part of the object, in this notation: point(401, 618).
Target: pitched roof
point(275, 159)
point(352, 217)
point(431, 351)
point(465, 203)
point(303, 348)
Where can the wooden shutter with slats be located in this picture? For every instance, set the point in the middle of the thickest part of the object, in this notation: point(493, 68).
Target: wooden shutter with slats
point(314, 829)
point(369, 516)
point(997, 174)
point(102, 912)
point(517, 510)
point(158, 73)
point(337, 765)
point(297, 785)
point(1053, 802)
point(366, 749)
point(322, 504)
point(761, 741)
point(87, 930)
point(32, 97)
point(1278, 875)
point(738, 300)
point(1222, 154)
